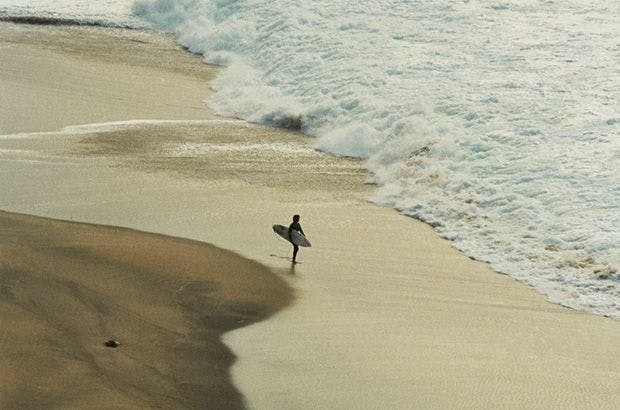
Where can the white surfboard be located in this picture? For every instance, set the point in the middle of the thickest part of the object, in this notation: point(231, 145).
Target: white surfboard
point(296, 237)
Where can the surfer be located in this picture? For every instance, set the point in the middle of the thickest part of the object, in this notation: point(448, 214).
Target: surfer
point(295, 226)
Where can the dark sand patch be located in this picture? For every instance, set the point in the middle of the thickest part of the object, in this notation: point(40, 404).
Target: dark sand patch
point(66, 288)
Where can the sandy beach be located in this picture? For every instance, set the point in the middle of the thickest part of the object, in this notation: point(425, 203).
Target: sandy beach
point(385, 313)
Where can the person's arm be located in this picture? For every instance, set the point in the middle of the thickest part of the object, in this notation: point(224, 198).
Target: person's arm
point(290, 229)
point(301, 231)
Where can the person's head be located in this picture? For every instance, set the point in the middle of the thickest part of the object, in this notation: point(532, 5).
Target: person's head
point(295, 218)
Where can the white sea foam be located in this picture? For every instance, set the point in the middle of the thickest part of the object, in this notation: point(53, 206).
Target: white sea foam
point(118, 125)
point(495, 122)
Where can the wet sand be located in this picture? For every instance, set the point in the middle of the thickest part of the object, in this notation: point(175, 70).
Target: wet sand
point(53, 79)
point(386, 313)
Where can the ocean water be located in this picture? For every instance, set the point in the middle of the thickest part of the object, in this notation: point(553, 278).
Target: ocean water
point(497, 122)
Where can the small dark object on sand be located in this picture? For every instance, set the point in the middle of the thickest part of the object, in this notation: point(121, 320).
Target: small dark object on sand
point(112, 343)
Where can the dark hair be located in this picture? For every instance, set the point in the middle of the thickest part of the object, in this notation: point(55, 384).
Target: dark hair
point(296, 217)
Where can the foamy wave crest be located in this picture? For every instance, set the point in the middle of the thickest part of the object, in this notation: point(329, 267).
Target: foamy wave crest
point(493, 124)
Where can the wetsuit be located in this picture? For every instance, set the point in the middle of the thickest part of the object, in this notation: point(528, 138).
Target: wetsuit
point(294, 226)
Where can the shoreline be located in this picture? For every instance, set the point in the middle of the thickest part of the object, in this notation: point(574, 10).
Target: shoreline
point(392, 315)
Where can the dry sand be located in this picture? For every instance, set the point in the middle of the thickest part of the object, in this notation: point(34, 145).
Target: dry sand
point(387, 315)
point(66, 288)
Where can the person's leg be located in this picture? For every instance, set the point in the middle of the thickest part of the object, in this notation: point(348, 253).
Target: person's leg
point(295, 250)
